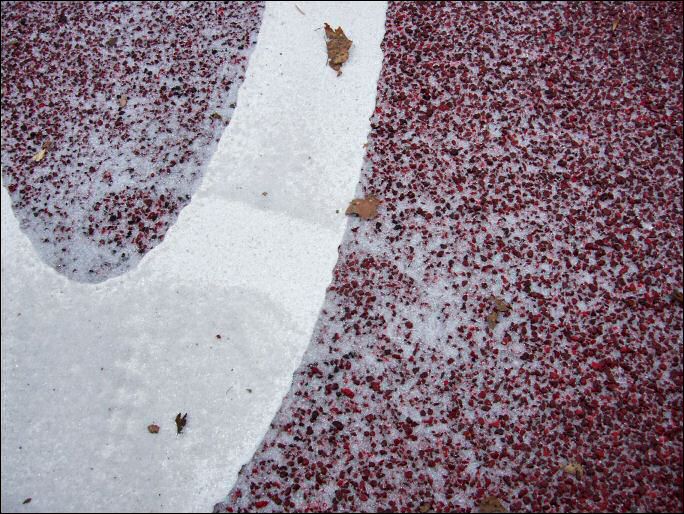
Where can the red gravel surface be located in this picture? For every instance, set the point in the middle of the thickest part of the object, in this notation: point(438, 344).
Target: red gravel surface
point(118, 170)
point(531, 153)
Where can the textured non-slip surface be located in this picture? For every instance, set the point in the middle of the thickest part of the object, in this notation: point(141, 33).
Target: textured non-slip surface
point(131, 99)
point(525, 153)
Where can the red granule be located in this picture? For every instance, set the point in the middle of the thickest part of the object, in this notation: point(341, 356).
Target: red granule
point(530, 152)
point(132, 97)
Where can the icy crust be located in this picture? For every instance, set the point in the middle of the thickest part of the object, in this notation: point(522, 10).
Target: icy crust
point(532, 152)
point(119, 169)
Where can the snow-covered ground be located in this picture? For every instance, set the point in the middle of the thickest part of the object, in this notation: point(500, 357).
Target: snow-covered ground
point(85, 368)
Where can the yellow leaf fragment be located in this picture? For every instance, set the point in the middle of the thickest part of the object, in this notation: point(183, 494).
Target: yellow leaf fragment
point(366, 208)
point(40, 155)
point(338, 47)
point(575, 468)
point(616, 22)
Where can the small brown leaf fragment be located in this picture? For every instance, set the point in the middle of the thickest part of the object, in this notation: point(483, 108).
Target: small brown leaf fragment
point(111, 41)
point(493, 319)
point(366, 208)
point(424, 507)
point(216, 116)
point(264, 193)
point(575, 468)
point(616, 22)
point(630, 302)
point(180, 422)
point(501, 305)
point(27, 500)
point(123, 100)
point(678, 297)
point(153, 429)
point(338, 47)
point(47, 146)
point(491, 504)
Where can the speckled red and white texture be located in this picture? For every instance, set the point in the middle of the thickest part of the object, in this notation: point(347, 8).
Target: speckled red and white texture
point(531, 152)
point(116, 177)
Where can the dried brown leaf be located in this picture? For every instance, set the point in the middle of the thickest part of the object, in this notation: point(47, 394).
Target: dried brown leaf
point(216, 116)
point(501, 304)
point(123, 100)
point(180, 422)
point(111, 41)
point(366, 208)
point(678, 297)
point(153, 429)
point(338, 47)
point(424, 507)
point(616, 22)
point(491, 504)
point(575, 468)
point(493, 319)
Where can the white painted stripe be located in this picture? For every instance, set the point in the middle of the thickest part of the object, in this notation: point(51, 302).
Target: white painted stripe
point(250, 267)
